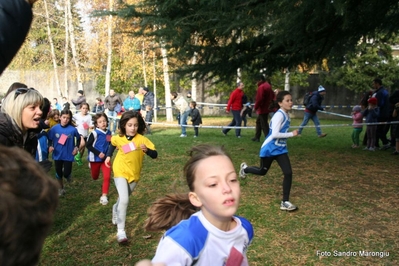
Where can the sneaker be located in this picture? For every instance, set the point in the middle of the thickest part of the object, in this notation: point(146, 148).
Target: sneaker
point(395, 153)
point(238, 137)
point(78, 159)
point(114, 215)
point(69, 179)
point(121, 237)
point(371, 149)
point(385, 147)
point(183, 135)
point(242, 173)
point(195, 136)
point(255, 139)
point(322, 135)
point(366, 149)
point(224, 134)
point(61, 192)
point(287, 206)
point(104, 200)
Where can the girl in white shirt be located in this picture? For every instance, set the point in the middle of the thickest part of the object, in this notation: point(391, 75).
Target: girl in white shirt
point(211, 234)
point(83, 121)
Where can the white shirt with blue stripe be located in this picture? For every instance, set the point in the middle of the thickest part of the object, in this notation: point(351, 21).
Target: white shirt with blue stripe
point(196, 241)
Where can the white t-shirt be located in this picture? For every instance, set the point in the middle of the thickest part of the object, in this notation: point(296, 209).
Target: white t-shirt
point(83, 123)
point(196, 241)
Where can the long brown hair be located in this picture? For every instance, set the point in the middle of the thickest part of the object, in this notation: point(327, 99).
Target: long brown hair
point(171, 209)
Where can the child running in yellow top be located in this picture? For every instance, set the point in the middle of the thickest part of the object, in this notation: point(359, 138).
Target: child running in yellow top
point(132, 146)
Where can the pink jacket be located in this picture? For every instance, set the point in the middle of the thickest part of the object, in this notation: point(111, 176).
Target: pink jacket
point(357, 120)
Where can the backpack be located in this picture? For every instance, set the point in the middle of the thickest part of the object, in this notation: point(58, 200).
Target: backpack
point(306, 98)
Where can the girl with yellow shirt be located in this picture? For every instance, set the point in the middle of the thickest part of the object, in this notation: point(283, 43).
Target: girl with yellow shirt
point(132, 146)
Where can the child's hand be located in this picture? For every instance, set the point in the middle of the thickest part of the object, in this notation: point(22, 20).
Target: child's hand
point(50, 149)
point(295, 132)
point(101, 155)
point(75, 151)
point(143, 148)
point(107, 162)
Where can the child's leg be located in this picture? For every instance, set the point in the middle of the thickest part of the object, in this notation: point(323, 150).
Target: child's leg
point(373, 136)
point(95, 169)
point(67, 170)
point(124, 190)
point(82, 145)
point(353, 136)
point(107, 177)
point(58, 172)
point(285, 165)
point(357, 132)
point(265, 163)
point(195, 130)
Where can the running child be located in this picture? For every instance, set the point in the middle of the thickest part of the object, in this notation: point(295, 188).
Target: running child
point(97, 145)
point(275, 148)
point(83, 123)
point(211, 233)
point(62, 138)
point(132, 146)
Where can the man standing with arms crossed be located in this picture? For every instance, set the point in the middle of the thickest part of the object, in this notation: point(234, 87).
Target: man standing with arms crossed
point(264, 97)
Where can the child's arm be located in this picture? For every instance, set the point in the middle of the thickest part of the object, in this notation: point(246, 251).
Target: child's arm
point(152, 153)
point(111, 150)
point(89, 145)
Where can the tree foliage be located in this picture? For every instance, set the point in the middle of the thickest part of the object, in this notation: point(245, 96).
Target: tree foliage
point(257, 34)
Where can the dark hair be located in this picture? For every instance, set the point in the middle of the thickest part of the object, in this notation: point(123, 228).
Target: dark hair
point(68, 112)
point(194, 103)
point(378, 81)
point(29, 198)
point(14, 86)
point(261, 77)
point(45, 108)
point(85, 103)
point(171, 209)
point(126, 117)
point(280, 96)
point(174, 94)
point(99, 99)
point(53, 113)
point(97, 116)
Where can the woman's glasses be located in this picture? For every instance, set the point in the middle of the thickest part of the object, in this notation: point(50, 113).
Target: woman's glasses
point(21, 91)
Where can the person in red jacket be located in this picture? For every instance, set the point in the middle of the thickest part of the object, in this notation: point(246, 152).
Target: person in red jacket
point(264, 97)
point(235, 105)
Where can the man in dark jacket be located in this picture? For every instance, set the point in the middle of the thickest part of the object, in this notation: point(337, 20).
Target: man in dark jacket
point(113, 103)
point(382, 96)
point(147, 106)
point(311, 111)
point(15, 20)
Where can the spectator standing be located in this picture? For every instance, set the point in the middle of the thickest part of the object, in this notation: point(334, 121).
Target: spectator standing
point(65, 104)
point(264, 97)
point(235, 105)
point(98, 107)
point(184, 109)
point(395, 116)
point(147, 106)
point(311, 111)
point(195, 117)
point(394, 100)
point(357, 125)
point(110, 103)
point(382, 96)
point(371, 114)
point(56, 105)
point(246, 110)
point(131, 103)
point(81, 99)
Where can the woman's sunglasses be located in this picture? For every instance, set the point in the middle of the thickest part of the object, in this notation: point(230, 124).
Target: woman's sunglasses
point(21, 91)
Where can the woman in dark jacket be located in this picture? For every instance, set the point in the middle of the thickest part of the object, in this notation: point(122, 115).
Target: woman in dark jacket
point(20, 119)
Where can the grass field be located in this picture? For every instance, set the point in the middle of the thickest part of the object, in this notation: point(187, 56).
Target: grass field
point(347, 199)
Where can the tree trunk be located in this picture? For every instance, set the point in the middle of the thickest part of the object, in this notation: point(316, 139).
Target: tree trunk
point(109, 52)
point(287, 80)
point(53, 58)
point(73, 47)
point(165, 67)
point(66, 91)
point(144, 69)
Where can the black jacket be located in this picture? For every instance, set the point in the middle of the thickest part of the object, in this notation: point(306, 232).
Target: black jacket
point(15, 20)
point(11, 135)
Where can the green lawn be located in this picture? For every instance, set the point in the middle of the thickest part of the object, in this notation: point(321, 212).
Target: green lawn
point(347, 199)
